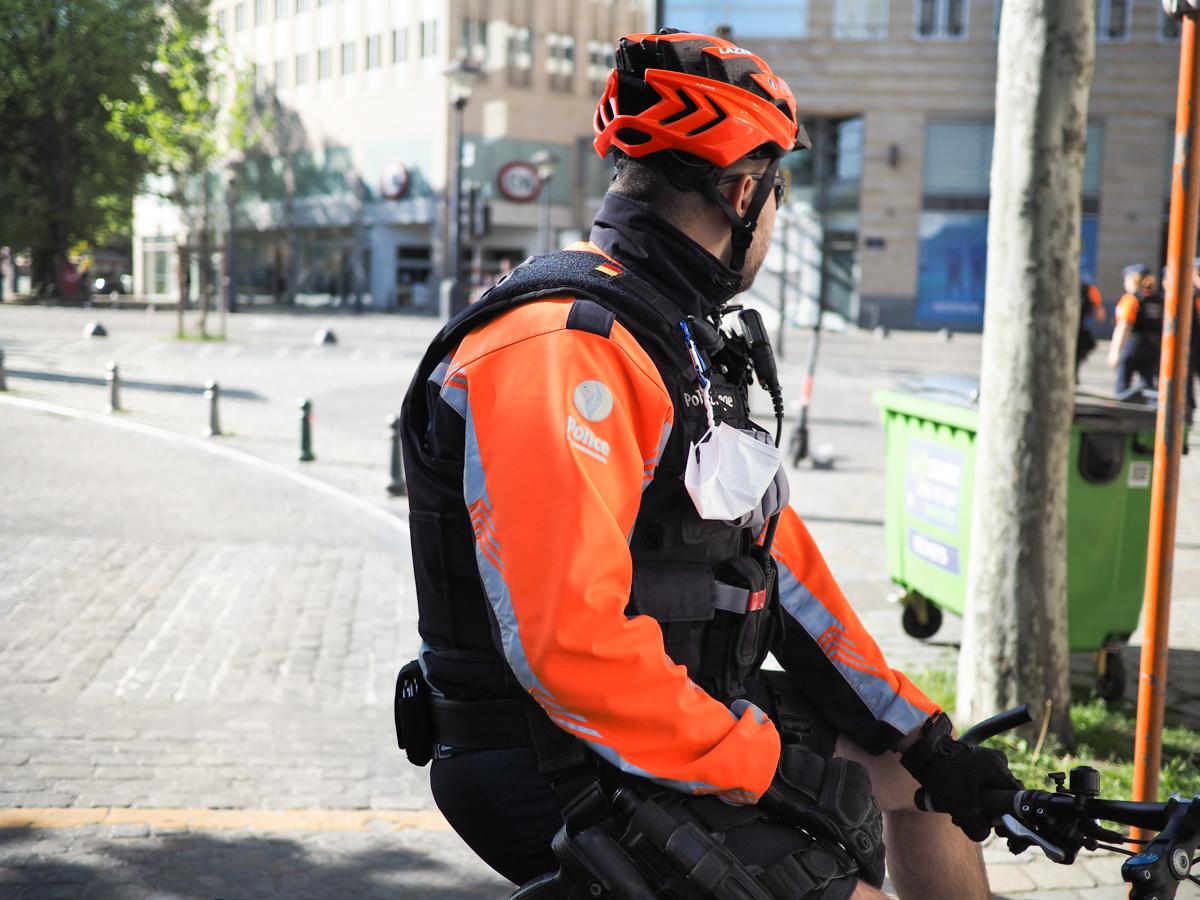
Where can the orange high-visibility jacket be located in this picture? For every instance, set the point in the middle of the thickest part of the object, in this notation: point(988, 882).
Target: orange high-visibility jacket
point(563, 431)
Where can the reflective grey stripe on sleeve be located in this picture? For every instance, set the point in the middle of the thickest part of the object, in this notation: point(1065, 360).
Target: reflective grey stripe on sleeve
point(871, 687)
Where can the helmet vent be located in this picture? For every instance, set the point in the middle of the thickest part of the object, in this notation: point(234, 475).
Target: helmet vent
point(689, 107)
point(720, 117)
point(632, 136)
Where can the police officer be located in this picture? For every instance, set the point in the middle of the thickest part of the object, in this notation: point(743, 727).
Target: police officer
point(597, 588)
point(1091, 307)
point(1137, 341)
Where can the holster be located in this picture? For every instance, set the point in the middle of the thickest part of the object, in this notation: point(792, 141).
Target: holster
point(412, 710)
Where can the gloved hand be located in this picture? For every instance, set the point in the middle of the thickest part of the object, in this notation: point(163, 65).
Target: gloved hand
point(830, 798)
point(953, 774)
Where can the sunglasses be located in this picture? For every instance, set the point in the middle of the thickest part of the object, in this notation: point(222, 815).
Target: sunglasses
point(779, 183)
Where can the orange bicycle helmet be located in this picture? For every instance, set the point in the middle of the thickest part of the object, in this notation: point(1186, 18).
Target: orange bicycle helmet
point(695, 94)
point(694, 104)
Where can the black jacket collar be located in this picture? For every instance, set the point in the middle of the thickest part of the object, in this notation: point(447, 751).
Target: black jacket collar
point(683, 271)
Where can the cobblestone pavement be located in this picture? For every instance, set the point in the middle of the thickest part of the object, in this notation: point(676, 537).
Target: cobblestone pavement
point(183, 631)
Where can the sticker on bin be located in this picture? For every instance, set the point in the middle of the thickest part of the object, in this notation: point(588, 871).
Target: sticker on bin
point(932, 483)
point(933, 552)
point(1139, 473)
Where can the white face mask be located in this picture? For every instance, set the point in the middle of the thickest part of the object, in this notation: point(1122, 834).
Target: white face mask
point(728, 472)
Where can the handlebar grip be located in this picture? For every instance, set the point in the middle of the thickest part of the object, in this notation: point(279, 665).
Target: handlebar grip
point(993, 803)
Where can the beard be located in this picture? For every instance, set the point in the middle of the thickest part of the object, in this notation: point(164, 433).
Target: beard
point(755, 254)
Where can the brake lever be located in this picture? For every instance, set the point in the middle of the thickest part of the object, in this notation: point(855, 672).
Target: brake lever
point(1017, 830)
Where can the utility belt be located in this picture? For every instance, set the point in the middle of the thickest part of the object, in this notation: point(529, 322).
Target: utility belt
point(426, 722)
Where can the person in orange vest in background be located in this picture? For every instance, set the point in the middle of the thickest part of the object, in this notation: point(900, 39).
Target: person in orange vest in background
point(1091, 307)
point(598, 586)
point(1137, 341)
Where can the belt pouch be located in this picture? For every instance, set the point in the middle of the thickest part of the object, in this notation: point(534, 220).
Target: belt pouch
point(413, 712)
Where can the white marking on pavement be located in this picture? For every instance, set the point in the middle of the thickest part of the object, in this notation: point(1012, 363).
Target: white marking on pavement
point(208, 446)
point(225, 819)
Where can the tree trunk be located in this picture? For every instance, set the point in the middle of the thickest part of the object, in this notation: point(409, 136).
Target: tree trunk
point(1015, 631)
point(205, 250)
point(183, 279)
point(289, 212)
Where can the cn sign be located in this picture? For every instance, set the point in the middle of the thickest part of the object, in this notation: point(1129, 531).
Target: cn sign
point(518, 181)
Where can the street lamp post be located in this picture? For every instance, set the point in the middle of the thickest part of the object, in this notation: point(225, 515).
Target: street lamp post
point(545, 162)
point(462, 75)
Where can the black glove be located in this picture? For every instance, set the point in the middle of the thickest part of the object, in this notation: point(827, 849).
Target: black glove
point(953, 774)
point(830, 798)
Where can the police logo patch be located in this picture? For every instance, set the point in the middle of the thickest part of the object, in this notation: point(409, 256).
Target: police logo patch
point(594, 400)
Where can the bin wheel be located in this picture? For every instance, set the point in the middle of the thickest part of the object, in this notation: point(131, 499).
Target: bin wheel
point(910, 620)
point(1110, 680)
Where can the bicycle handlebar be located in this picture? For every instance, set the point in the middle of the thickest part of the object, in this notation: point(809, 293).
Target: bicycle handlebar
point(1068, 819)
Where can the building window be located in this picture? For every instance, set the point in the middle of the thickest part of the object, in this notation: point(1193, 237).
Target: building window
point(281, 8)
point(560, 61)
point(429, 38)
point(749, 19)
point(942, 19)
point(348, 58)
point(239, 17)
point(260, 11)
point(259, 74)
point(1168, 26)
point(952, 263)
point(221, 20)
point(520, 55)
point(374, 43)
point(280, 73)
point(600, 63)
point(324, 64)
point(414, 268)
point(1112, 20)
point(301, 6)
point(860, 20)
point(399, 45)
point(474, 38)
point(302, 69)
point(157, 266)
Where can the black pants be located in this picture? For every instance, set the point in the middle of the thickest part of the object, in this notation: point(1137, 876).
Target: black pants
point(1139, 356)
point(502, 807)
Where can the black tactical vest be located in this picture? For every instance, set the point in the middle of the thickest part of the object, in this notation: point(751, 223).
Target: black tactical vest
point(688, 573)
point(1149, 320)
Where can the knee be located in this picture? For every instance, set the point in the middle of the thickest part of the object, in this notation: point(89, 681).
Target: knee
point(891, 783)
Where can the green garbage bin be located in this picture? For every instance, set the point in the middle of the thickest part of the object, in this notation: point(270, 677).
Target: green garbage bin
point(929, 430)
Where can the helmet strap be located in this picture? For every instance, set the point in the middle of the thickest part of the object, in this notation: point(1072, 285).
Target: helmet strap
point(742, 226)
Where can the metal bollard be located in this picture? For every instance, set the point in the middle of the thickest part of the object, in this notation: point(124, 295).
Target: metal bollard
point(3, 374)
point(212, 393)
point(306, 452)
point(396, 487)
point(114, 388)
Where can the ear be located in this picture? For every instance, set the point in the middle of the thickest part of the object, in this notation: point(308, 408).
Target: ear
point(740, 192)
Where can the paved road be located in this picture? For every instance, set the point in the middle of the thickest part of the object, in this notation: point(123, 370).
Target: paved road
point(186, 631)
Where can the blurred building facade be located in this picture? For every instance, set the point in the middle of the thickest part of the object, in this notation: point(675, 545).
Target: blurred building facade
point(346, 196)
point(900, 97)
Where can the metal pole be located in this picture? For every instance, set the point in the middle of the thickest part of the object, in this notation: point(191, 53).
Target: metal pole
point(396, 487)
point(544, 224)
point(306, 451)
point(458, 296)
point(212, 393)
point(114, 388)
point(3, 374)
point(1168, 445)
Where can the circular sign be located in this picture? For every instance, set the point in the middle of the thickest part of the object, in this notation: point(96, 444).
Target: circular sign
point(518, 181)
point(394, 181)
